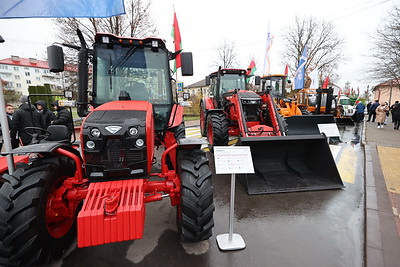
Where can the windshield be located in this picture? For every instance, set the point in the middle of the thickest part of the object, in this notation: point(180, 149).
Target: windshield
point(139, 71)
point(345, 102)
point(275, 84)
point(231, 82)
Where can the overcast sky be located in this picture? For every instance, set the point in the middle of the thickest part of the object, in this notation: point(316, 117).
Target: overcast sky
point(205, 24)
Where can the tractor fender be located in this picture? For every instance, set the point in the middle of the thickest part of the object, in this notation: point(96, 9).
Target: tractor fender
point(40, 148)
point(176, 117)
point(191, 142)
point(208, 103)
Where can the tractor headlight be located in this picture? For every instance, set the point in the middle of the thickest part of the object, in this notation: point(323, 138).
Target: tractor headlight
point(95, 133)
point(139, 142)
point(133, 131)
point(90, 145)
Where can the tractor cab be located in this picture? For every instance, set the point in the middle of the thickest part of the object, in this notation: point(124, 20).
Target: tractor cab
point(133, 69)
point(224, 81)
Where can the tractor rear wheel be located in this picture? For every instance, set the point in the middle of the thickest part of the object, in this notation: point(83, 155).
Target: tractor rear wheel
point(195, 211)
point(34, 228)
point(217, 130)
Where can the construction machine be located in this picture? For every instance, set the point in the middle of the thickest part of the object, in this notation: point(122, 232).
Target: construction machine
point(282, 163)
point(99, 192)
point(344, 111)
point(304, 110)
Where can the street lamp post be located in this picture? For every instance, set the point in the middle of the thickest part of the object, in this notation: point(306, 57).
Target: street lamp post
point(5, 128)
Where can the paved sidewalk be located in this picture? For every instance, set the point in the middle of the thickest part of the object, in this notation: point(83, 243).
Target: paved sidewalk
point(382, 158)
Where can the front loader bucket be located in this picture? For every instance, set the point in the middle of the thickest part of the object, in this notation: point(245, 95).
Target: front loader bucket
point(291, 163)
point(307, 124)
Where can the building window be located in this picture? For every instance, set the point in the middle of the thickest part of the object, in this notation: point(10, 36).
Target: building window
point(37, 78)
point(4, 67)
point(28, 82)
point(37, 70)
point(19, 85)
point(17, 77)
point(10, 84)
point(26, 68)
point(16, 68)
point(27, 73)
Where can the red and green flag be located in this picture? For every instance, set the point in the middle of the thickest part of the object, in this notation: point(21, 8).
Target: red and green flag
point(251, 69)
point(176, 34)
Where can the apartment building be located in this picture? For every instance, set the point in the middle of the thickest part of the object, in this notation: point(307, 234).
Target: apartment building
point(20, 73)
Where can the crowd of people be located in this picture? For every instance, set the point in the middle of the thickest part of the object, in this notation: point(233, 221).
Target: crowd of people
point(37, 115)
point(380, 112)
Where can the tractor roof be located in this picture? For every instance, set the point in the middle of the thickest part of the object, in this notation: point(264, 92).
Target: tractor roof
point(229, 71)
point(108, 38)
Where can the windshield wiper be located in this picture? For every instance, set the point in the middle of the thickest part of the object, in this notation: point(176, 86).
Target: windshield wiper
point(122, 60)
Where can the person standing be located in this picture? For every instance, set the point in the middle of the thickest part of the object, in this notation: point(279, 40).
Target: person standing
point(360, 108)
point(10, 113)
point(372, 110)
point(381, 114)
point(368, 107)
point(46, 116)
point(392, 108)
point(63, 117)
point(25, 116)
point(396, 115)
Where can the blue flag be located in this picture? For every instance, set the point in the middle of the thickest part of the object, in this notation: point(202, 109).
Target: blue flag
point(60, 8)
point(300, 73)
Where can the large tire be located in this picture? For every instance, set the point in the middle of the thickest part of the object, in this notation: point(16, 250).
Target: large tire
point(203, 119)
point(217, 130)
point(27, 236)
point(195, 211)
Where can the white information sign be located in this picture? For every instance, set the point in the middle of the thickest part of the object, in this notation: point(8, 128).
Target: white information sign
point(233, 160)
point(330, 129)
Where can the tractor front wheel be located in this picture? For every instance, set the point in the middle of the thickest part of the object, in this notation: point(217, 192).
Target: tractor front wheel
point(217, 130)
point(35, 222)
point(195, 211)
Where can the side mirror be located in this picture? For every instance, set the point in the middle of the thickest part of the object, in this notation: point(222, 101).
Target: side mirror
point(187, 64)
point(186, 96)
point(55, 58)
point(208, 80)
point(257, 80)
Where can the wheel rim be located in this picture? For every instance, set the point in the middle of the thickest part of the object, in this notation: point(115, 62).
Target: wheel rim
point(202, 121)
point(210, 134)
point(58, 219)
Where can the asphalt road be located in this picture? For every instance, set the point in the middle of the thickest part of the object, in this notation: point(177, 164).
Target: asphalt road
point(315, 228)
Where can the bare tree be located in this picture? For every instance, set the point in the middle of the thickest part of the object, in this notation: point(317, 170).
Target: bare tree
point(324, 46)
point(386, 49)
point(226, 56)
point(136, 22)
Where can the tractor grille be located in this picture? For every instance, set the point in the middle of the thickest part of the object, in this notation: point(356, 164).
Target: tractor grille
point(116, 152)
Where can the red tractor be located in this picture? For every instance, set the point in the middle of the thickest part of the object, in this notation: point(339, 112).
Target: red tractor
point(282, 163)
point(99, 193)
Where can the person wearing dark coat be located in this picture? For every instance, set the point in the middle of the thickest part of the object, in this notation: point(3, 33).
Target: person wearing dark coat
point(372, 111)
point(46, 116)
point(396, 116)
point(25, 116)
point(63, 117)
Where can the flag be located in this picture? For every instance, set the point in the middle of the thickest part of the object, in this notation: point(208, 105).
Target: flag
point(251, 69)
point(176, 34)
point(267, 60)
point(314, 79)
point(301, 71)
point(326, 83)
point(61, 8)
point(286, 72)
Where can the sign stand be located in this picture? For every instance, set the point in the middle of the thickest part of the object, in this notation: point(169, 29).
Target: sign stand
point(232, 160)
